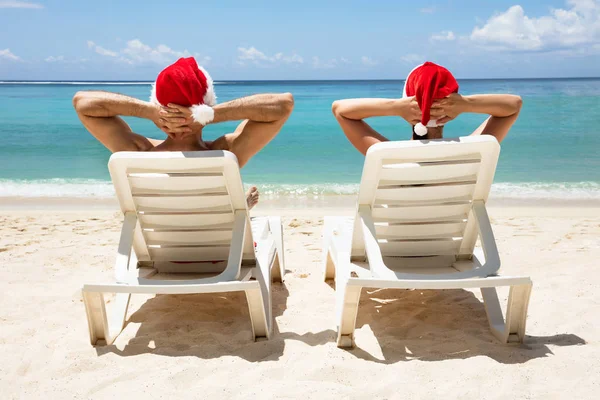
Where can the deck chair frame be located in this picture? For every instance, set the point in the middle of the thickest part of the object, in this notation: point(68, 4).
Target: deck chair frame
point(252, 263)
point(353, 253)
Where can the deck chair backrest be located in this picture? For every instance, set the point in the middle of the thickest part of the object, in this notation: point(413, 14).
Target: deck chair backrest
point(184, 202)
point(421, 195)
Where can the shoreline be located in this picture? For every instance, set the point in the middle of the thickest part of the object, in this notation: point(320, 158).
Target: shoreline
point(340, 205)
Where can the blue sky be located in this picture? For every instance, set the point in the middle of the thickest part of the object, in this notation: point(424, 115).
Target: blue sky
point(351, 39)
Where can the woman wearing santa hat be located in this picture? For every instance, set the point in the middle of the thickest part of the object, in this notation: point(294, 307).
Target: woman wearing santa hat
point(182, 103)
point(430, 100)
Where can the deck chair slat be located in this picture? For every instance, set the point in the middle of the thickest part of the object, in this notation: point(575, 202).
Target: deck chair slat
point(199, 237)
point(219, 191)
point(190, 254)
point(429, 173)
point(175, 183)
point(184, 220)
point(181, 202)
point(395, 263)
point(420, 231)
point(452, 211)
point(420, 248)
point(434, 159)
point(407, 181)
point(426, 193)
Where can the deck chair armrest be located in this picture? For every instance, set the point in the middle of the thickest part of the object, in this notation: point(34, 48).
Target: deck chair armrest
point(123, 261)
point(236, 249)
point(488, 242)
point(377, 266)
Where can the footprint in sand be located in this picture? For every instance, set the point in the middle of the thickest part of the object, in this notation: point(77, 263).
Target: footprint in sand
point(294, 224)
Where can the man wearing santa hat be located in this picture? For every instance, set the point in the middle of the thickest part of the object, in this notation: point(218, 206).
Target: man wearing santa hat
point(430, 100)
point(182, 103)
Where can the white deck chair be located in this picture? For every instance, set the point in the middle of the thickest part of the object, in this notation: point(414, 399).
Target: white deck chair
point(186, 207)
point(421, 207)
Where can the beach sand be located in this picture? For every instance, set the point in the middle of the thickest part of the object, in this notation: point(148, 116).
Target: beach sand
point(410, 344)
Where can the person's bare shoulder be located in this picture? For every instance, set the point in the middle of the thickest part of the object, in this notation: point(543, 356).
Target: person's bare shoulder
point(221, 143)
point(146, 144)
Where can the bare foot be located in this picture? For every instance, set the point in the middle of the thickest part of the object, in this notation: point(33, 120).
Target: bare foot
point(252, 197)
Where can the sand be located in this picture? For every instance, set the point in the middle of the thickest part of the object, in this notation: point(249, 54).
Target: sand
point(410, 344)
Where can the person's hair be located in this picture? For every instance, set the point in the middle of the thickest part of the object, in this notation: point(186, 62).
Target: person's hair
point(417, 137)
point(428, 136)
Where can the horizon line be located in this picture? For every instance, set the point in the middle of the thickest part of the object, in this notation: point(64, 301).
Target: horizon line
point(282, 80)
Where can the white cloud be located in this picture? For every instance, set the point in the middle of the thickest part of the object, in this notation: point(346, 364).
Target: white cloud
point(561, 29)
point(428, 10)
point(251, 54)
point(443, 36)
point(317, 63)
point(101, 50)
point(255, 56)
point(369, 62)
point(345, 61)
point(8, 55)
point(20, 4)
point(413, 58)
point(136, 52)
point(63, 59)
point(55, 59)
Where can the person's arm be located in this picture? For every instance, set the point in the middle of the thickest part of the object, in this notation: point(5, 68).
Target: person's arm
point(350, 114)
point(503, 110)
point(99, 112)
point(257, 108)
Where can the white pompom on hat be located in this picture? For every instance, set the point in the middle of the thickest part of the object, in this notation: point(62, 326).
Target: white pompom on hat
point(186, 84)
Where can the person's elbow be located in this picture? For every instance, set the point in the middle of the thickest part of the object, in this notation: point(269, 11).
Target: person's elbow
point(82, 102)
point(286, 103)
point(337, 108)
point(517, 103)
point(87, 103)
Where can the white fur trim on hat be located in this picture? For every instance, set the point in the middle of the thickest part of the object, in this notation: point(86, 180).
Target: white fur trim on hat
point(202, 113)
point(153, 98)
point(210, 98)
point(406, 81)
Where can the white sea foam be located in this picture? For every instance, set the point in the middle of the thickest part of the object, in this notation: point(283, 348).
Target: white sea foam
point(56, 188)
point(547, 190)
point(104, 189)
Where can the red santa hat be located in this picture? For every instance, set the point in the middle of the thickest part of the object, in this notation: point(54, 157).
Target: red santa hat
point(186, 84)
point(428, 82)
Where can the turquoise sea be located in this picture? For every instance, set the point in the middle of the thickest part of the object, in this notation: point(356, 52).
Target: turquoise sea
point(553, 151)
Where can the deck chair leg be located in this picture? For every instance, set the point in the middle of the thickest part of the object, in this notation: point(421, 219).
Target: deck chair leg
point(278, 267)
point(328, 261)
point(349, 297)
point(259, 299)
point(101, 325)
point(258, 317)
point(329, 266)
point(512, 328)
point(276, 270)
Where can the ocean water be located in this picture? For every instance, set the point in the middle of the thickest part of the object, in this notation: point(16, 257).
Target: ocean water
point(552, 152)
